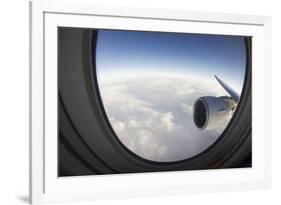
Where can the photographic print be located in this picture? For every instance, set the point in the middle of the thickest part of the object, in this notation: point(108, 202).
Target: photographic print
point(135, 102)
point(148, 101)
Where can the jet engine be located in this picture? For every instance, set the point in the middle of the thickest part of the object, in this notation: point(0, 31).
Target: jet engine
point(210, 111)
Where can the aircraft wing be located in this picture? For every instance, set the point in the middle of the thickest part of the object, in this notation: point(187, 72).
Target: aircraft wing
point(228, 89)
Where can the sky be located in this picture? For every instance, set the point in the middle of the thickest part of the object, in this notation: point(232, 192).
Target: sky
point(121, 53)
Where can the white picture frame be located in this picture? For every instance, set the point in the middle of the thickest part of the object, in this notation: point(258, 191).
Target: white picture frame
point(46, 187)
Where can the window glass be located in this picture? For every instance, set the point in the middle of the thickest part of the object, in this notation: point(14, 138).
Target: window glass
point(160, 93)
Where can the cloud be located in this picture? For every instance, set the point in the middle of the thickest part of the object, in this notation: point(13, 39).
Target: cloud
point(186, 108)
point(153, 116)
point(118, 126)
point(167, 121)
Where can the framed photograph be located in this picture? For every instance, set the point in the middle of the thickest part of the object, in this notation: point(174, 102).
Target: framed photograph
point(129, 102)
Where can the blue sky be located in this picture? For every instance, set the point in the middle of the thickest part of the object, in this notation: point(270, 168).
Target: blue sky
point(198, 55)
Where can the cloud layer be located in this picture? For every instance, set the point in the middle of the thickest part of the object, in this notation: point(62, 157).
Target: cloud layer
point(152, 116)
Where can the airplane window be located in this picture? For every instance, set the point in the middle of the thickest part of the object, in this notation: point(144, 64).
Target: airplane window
point(169, 96)
point(134, 101)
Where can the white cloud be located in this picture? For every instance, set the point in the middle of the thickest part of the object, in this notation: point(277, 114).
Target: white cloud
point(118, 126)
point(153, 116)
point(133, 123)
point(167, 121)
point(186, 108)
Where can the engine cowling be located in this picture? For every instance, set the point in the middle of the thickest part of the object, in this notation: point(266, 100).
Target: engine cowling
point(209, 111)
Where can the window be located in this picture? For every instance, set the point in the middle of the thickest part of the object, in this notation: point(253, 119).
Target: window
point(169, 96)
point(139, 101)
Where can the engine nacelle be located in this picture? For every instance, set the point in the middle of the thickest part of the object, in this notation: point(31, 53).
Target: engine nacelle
point(209, 111)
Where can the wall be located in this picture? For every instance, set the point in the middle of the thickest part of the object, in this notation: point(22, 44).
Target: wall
point(14, 100)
